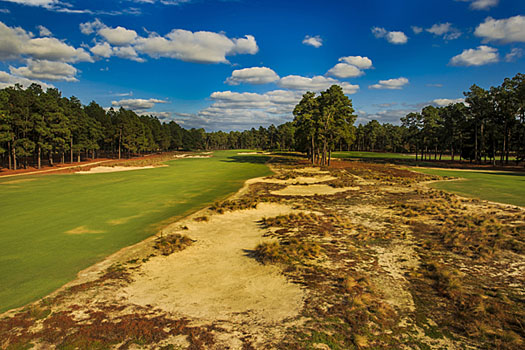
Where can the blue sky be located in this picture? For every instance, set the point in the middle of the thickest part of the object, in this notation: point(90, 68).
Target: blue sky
point(226, 65)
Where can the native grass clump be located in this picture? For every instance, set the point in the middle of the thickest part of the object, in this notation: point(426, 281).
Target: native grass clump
point(287, 251)
point(172, 243)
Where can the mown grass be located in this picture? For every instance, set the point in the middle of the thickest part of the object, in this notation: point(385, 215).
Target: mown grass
point(503, 187)
point(56, 225)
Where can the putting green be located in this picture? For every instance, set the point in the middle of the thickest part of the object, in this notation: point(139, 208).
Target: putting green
point(501, 186)
point(53, 226)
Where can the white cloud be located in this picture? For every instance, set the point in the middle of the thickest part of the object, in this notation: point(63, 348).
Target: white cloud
point(441, 102)
point(358, 61)
point(445, 30)
point(315, 41)
point(41, 3)
point(481, 4)
point(350, 67)
point(46, 70)
point(476, 57)
point(234, 110)
point(118, 36)
point(390, 84)
point(137, 104)
point(88, 28)
point(102, 50)
point(439, 29)
point(513, 55)
point(199, 47)
point(394, 37)
point(416, 29)
point(43, 31)
point(315, 84)
point(344, 70)
point(7, 80)
point(507, 30)
point(254, 75)
point(16, 43)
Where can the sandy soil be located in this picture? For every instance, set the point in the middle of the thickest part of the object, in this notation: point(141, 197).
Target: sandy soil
point(191, 156)
point(214, 279)
point(311, 190)
point(113, 169)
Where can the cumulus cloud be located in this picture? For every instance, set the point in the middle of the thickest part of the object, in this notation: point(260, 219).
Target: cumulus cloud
point(7, 80)
point(350, 66)
point(481, 4)
point(238, 111)
point(394, 37)
point(390, 84)
point(315, 41)
point(513, 55)
point(358, 61)
point(16, 43)
point(254, 75)
point(315, 84)
point(344, 70)
point(441, 102)
point(476, 57)
point(416, 29)
point(40, 3)
point(137, 104)
point(199, 47)
point(46, 70)
point(445, 30)
point(43, 31)
point(118, 36)
point(507, 30)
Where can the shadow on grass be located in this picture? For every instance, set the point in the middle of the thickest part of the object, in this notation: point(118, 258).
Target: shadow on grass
point(262, 159)
point(437, 164)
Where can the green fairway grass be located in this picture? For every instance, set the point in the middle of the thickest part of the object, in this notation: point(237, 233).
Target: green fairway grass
point(503, 186)
point(356, 154)
point(53, 226)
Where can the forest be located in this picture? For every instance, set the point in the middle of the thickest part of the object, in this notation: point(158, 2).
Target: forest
point(40, 127)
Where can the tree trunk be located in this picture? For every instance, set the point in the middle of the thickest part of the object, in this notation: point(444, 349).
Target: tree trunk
point(71, 149)
point(508, 148)
point(476, 141)
point(39, 161)
point(63, 157)
point(78, 157)
point(10, 158)
point(119, 143)
point(329, 156)
point(14, 158)
point(313, 150)
point(452, 151)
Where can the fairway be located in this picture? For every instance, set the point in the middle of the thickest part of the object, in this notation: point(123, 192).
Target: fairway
point(503, 187)
point(53, 226)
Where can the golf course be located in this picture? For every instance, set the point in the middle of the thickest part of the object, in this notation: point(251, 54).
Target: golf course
point(53, 226)
point(497, 186)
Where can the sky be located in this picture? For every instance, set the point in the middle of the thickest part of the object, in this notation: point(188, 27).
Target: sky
point(237, 64)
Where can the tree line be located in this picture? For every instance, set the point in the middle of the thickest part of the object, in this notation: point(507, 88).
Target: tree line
point(41, 127)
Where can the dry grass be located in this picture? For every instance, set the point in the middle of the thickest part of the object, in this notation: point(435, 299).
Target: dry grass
point(287, 251)
point(172, 243)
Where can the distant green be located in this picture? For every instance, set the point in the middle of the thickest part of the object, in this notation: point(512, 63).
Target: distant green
point(114, 210)
point(503, 186)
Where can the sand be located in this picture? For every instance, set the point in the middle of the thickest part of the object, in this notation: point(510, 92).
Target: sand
point(113, 169)
point(215, 279)
point(311, 190)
